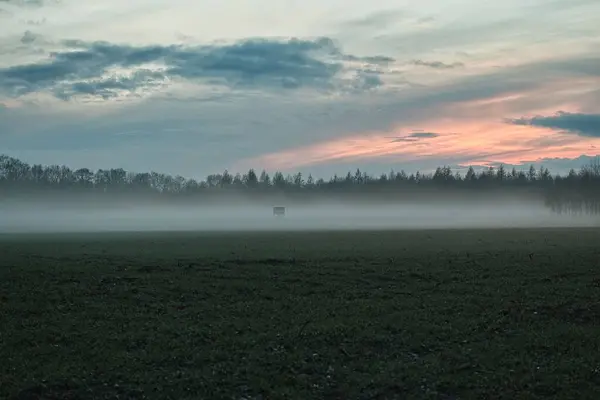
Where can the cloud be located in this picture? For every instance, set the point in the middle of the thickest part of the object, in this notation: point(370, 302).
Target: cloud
point(376, 20)
point(246, 125)
point(436, 64)
point(495, 32)
point(379, 60)
point(428, 165)
point(110, 87)
point(424, 135)
point(29, 37)
point(556, 165)
point(276, 108)
point(36, 22)
point(30, 3)
point(587, 125)
point(415, 136)
point(262, 63)
point(35, 3)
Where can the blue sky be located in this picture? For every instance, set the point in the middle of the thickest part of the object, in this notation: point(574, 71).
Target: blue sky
point(196, 87)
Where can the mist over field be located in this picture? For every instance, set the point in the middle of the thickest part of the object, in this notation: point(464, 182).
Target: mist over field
point(57, 199)
point(323, 215)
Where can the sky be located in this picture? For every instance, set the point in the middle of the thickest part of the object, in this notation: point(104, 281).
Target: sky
point(196, 87)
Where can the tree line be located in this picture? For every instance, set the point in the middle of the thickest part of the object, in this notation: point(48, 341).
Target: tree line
point(577, 191)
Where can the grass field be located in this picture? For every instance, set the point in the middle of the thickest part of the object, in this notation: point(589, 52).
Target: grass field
point(511, 314)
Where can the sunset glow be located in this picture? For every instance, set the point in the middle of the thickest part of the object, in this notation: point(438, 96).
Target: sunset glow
point(246, 84)
point(480, 135)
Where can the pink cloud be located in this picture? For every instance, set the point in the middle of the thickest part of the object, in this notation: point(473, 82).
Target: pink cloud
point(473, 131)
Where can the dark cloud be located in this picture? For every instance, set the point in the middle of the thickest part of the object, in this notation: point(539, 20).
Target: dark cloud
point(423, 135)
point(256, 62)
point(381, 60)
point(436, 64)
point(28, 37)
point(587, 125)
point(415, 137)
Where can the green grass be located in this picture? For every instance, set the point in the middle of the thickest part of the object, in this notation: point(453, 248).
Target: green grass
point(503, 314)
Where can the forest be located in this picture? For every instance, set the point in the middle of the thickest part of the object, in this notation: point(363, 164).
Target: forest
point(575, 192)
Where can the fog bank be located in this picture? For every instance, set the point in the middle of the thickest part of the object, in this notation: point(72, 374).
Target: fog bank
point(16, 218)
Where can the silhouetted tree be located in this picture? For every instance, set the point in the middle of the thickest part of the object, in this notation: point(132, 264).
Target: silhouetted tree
point(577, 192)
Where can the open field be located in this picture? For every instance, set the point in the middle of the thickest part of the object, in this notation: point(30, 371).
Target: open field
point(440, 314)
